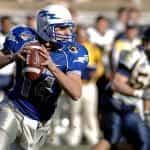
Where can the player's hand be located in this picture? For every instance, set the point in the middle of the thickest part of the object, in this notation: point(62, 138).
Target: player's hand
point(48, 61)
point(26, 50)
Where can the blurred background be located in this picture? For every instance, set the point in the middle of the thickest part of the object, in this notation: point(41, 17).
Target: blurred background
point(87, 9)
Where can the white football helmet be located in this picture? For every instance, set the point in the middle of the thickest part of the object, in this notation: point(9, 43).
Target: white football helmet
point(51, 17)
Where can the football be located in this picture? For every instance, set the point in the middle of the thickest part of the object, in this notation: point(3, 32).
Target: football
point(33, 68)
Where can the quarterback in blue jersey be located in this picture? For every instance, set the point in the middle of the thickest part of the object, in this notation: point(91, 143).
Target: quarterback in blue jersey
point(120, 116)
point(25, 116)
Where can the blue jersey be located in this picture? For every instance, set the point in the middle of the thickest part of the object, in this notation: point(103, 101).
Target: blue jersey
point(38, 99)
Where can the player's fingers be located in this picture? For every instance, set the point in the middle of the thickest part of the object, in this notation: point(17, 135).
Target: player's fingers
point(43, 48)
point(43, 51)
point(28, 48)
point(43, 55)
point(26, 51)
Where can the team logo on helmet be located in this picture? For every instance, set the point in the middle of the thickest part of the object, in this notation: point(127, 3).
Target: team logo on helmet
point(45, 13)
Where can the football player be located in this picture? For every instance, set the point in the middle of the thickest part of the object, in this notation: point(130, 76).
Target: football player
point(146, 44)
point(26, 115)
point(119, 113)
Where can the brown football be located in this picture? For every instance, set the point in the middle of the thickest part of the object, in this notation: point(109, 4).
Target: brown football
point(33, 68)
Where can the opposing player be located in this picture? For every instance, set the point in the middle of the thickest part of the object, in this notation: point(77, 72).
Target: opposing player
point(146, 44)
point(119, 116)
point(25, 117)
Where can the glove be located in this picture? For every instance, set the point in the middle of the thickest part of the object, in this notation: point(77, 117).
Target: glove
point(143, 94)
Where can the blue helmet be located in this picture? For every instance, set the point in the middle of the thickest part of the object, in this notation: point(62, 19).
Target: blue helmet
point(18, 36)
point(51, 17)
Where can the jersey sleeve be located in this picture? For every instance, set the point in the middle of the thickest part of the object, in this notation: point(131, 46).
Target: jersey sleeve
point(78, 60)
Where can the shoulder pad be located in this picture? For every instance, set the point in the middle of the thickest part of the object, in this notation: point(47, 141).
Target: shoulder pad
point(129, 58)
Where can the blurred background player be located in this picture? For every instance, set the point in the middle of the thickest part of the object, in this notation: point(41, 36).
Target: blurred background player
point(128, 40)
point(83, 114)
point(6, 74)
point(119, 25)
point(31, 104)
point(5, 25)
point(134, 15)
point(31, 21)
point(101, 34)
point(119, 112)
point(146, 45)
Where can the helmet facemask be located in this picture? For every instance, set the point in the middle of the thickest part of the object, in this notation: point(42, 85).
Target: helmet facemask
point(60, 38)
